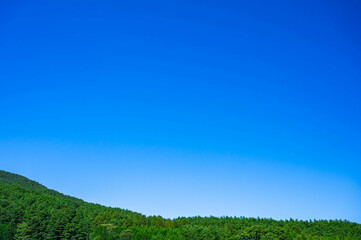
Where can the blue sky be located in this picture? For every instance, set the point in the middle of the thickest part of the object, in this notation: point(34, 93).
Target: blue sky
point(186, 108)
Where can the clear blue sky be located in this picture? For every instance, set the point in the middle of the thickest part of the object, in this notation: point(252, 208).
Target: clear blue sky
point(183, 108)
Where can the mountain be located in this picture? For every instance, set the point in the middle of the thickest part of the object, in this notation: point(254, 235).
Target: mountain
point(29, 210)
point(15, 179)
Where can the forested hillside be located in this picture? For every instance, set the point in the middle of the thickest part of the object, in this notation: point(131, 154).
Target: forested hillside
point(28, 210)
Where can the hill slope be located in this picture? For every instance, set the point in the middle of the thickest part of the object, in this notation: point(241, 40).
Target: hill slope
point(28, 210)
point(16, 179)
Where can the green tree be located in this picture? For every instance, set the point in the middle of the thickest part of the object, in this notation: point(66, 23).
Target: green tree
point(126, 235)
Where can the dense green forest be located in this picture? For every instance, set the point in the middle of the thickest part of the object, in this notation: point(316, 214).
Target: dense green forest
point(29, 210)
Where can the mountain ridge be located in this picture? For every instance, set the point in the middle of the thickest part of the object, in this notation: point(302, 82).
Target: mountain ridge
point(29, 210)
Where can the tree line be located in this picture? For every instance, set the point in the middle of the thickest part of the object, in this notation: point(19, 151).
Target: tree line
point(29, 210)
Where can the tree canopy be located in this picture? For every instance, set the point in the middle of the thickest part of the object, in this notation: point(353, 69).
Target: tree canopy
point(29, 210)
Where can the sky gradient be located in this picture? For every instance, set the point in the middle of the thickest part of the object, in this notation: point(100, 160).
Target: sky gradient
point(186, 108)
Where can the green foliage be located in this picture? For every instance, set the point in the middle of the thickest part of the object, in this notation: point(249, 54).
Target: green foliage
point(6, 232)
point(126, 235)
point(29, 210)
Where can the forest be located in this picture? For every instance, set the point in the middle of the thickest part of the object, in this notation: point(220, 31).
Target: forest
point(29, 210)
